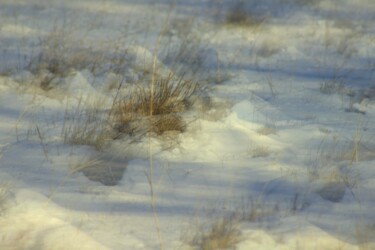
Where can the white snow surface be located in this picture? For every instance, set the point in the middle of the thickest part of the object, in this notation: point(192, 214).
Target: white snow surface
point(289, 135)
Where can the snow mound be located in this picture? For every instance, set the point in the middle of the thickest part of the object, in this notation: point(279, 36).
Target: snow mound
point(306, 239)
point(31, 226)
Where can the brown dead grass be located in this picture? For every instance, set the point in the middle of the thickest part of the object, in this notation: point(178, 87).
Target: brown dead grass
point(156, 112)
point(222, 234)
point(238, 15)
point(86, 124)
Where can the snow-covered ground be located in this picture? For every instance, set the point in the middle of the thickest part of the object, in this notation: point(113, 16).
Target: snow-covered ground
point(278, 151)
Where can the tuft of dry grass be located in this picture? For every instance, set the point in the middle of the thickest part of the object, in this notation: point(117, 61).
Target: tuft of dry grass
point(331, 86)
point(170, 97)
point(239, 15)
point(171, 122)
point(60, 52)
point(4, 195)
point(335, 165)
point(86, 124)
point(341, 149)
point(260, 151)
point(57, 54)
point(222, 234)
point(222, 231)
point(267, 130)
point(255, 209)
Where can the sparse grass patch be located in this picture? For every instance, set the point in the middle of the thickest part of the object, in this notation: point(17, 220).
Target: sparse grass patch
point(254, 210)
point(135, 111)
point(222, 230)
point(62, 51)
point(335, 166)
point(86, 124)
point(186, 52)
point(84, 164)
point(3, 147)
point(170, 95)
point(337, 149)
point(265, 49)
point(59, 53)
point(267, 130)
point(4, 194)
point(169, 123)
point(260, 151)
point(332, 86)
point(156, 111)
point(333, 182)
point(239, 15)
point(221, 234)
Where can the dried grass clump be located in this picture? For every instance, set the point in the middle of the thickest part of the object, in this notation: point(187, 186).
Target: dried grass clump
point(222, 234)
point(239, 15)
point(267, 130)
point(166, 123)
point(332, 86)
point(169, 96)
point(60, 52)
point(157, 109)
point(260, 151)
point(256, 209)
point(340, 149)
point(86, 125)
point(141, 111)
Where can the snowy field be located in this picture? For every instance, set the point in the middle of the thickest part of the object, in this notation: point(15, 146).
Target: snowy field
point(195, 124)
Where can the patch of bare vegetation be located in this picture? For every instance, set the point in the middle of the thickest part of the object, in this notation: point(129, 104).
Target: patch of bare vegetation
point(239, 15)
point(267, 130)
point(86, 124)
point(134, 112)
point(332, 86)
point(222, 231)
point(60, 52)
point(155, 109)
point(259, 151)
point(255, 210)
point(335, 165)
point(186, 52)
point(221, 234)
point(341, 149)
point(4, 195)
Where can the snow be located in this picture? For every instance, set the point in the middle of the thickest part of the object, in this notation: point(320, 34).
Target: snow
point(282, 136)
